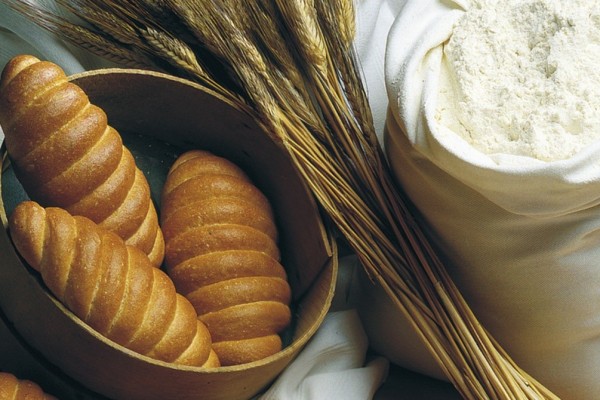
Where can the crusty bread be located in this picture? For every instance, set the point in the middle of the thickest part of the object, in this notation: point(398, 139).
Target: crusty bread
point(66, 155)
point(13, 388)
point(111, 286)
point(222, 254)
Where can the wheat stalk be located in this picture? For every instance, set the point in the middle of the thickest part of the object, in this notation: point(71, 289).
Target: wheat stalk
point(333, 195)
point(176, 52)
point(264, 28)
point(311, 43)
point(97, 43)
point(292, 63)
point(104, 21)
point(338, 16)
point(498, 375)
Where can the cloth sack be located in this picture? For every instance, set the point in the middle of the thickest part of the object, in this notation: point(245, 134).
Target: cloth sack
point(521, 236)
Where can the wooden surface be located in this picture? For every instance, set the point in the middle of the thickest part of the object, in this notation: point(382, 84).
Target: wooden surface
point(17, 358)
point(153, 108)
point(20, 358)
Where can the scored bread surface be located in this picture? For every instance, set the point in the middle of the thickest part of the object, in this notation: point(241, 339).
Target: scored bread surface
point(66, 155)
point(221, 252)
point(13, 388)
point(111, 286)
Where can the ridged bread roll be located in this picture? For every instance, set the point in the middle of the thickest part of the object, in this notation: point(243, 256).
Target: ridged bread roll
point(222, 254)
point(111, 286)
point(66, 155)
point(13, 388)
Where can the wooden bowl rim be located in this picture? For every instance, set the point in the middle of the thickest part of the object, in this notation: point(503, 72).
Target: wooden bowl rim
point(295, 345)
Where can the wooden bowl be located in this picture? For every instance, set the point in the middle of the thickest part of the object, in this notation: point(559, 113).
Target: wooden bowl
point(159, 116)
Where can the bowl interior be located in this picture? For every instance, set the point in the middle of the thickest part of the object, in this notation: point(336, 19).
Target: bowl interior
point(159, 117)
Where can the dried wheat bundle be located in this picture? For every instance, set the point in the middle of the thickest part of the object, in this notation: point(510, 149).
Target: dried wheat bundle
point(291, 64)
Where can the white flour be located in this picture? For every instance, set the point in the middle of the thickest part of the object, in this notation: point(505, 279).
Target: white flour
point(523, 77)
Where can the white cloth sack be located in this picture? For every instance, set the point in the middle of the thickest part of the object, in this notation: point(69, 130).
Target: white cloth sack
point(522, 236)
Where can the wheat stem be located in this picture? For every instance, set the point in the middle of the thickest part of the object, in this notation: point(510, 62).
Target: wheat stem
point(291, 64)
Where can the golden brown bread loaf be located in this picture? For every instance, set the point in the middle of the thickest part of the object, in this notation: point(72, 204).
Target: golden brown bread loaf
point(111, 286)
point(12, 388)
point(222, 254)
point(66, 155)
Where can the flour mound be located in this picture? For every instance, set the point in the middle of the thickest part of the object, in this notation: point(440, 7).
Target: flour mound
point(522, 77)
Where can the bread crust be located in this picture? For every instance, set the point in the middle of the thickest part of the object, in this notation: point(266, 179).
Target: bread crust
point(222, 254)
point(111, 286)
point(66, 155)
point(14, 388)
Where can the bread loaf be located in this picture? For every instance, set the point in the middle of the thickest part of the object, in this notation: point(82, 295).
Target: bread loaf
point(12, 388)
point(111, 286)
point(222, 254)
point(66, 155)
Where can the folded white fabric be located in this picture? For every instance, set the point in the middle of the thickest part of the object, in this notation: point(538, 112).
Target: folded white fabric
point(332, 365)
point(521, 235)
